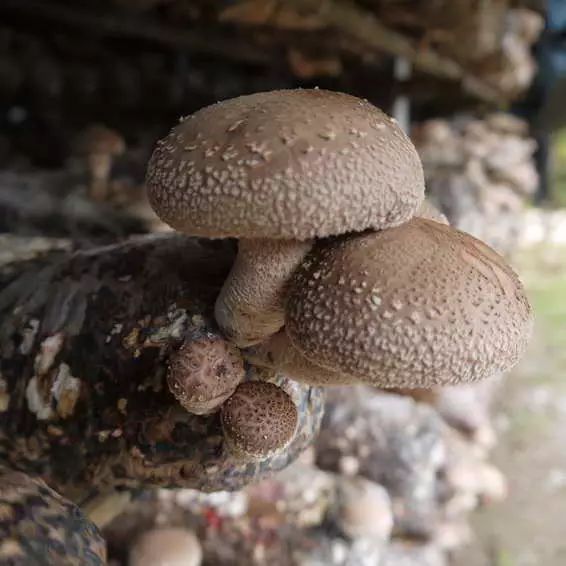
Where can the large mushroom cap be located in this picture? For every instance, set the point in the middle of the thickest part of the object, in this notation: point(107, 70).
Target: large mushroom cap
point(413, 306)
point(258, 420)
point(292, 164)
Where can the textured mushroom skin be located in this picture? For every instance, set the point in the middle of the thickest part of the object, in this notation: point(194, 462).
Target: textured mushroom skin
point(250, 305)
point(204, 372)
point(250, 167)
point(418, 305)
point(258, 420)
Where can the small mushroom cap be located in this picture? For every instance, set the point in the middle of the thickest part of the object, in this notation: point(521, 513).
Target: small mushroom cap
point(418, 305)
point(430, 212)
point(290, 164)
point(258, 420)
point(167, 546)
point(98, 139)
point(204, 372)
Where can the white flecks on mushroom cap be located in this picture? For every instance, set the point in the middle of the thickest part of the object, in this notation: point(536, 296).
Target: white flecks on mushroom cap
point(418, 305)
point(290, 164)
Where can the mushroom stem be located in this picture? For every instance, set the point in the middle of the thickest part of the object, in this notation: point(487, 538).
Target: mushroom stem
point(99, 165)
point(250, 306)
point(278, 353)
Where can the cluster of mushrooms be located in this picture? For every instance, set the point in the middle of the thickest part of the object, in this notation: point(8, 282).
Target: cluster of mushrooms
point(344, 274)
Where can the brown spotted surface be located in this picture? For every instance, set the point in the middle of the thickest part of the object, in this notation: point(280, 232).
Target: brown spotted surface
point(285, 164)
point(413, 306)
point(39, 527)
point(259, 419)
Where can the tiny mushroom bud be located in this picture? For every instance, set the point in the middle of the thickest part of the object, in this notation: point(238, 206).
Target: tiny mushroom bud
point(99, 145)
point(276, 170)
point(428, 211)
point(204, 372)
point(166, 546)
point(418, 305)
point(258, 420)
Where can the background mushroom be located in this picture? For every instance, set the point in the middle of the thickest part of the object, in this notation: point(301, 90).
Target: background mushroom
point(363, 508)
point(99, 145)
point(277, 169)
point(167, 546)
point(418, 305)
point(258, 420)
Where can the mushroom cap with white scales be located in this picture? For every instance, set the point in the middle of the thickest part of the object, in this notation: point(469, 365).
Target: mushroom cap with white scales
point(418, 305)
point(287, 164)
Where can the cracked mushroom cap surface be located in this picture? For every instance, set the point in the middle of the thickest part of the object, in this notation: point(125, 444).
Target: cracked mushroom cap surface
point(204, 372)
point(418, 305)
point(258, 420)
point(289, 164)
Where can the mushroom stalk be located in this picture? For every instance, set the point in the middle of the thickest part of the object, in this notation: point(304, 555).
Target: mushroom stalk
point(99, 165)
point(278, 353)
point(251, 304)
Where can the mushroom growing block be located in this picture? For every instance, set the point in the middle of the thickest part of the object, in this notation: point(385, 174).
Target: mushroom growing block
point(277, 169)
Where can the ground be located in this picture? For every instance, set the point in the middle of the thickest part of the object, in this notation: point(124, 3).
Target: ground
point(528, 529)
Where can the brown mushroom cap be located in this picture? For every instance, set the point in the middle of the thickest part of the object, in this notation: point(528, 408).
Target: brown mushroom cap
point(166, 546)
point(204, 372)
point(288, 164)
point(418, 305)
point(258, 420)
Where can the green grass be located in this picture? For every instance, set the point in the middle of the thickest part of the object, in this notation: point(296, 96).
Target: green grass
point(559, 169)
point(544, 272)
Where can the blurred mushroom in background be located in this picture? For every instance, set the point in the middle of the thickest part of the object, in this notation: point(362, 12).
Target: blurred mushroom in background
point(99, 145)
